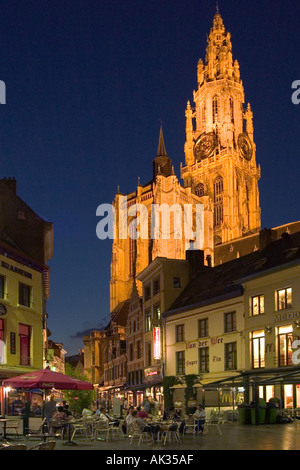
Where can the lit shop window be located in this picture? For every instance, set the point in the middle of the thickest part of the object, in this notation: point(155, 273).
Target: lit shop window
point(257, 305)
point(258, 349)
point(284, 298)
point(285, 340)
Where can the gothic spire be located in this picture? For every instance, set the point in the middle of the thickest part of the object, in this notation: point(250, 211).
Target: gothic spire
point(161, 149)
point(162, 164)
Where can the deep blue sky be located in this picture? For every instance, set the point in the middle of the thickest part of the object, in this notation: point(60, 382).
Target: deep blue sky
point(87, 85)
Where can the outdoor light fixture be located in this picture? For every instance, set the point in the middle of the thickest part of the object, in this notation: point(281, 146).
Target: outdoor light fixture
point(268, 329)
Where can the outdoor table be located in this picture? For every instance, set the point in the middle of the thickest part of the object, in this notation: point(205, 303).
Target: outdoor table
point(4, 421)
point(69, 441)
point(43, 435)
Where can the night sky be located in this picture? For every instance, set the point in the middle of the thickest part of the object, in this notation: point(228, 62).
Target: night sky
point(88, 83)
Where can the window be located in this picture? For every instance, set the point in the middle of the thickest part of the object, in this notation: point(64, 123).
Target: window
point(12, 342)
point(176, 282)
point(203, 328)
point(2, 342)
point(179, 333)
point(231, 105)
point(156, 312)
point(285, 340)
point(148, 319)
point(204, 359)
point(284, 298)
point(156, 286)
point(2, 287)
point(147, 293)
point(24, 295)
point(180, 362)
point(218, 201)
point(132, 249)
point(199, 190)
point(215, 106)
point(138, 349)
point(148, 354)
point(258, 349)
point(257, 305)
point(230, 356)
point(229, 322)
point(24, 335)
point(131, 352)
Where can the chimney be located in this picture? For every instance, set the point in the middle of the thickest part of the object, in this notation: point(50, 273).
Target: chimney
point(196, 259)
point(266, 236)
point(10, 183)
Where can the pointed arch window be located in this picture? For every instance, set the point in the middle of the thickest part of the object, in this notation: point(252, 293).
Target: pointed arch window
point(215, 108)
point(218, 201)
point(199, 190)
point(231, 106)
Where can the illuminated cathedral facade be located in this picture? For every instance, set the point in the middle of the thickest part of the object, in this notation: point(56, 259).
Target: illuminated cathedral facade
point(220, 172)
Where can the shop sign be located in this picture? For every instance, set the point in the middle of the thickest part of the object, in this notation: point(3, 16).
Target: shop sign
point(3, 309)
point(286, 316)
point(216, 340)
point(16, 270)
point(191, 363)
point(216, 359)
point(157, 348)
point(190, 345)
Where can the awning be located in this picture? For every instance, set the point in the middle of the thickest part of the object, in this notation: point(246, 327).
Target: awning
point(255, 378)
point(143, 386)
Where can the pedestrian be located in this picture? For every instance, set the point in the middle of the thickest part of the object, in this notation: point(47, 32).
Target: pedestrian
point(50, 408)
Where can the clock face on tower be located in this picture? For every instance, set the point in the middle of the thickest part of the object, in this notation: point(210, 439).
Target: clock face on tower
point(205, 145)
point(245, 146)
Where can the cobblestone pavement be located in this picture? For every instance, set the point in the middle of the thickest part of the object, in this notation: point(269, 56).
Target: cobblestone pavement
point(234, 437)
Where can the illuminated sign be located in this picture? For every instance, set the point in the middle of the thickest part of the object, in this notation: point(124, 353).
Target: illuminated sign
point(157, 349)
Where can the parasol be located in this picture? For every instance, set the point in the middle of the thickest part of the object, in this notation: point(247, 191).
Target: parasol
point(47, 379)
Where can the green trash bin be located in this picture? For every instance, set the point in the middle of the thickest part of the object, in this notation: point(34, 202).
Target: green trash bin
point(244, 415)
point(258, 416)
point(271, 415)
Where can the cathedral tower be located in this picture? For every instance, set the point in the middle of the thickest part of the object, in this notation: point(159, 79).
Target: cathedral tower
point(220, 153)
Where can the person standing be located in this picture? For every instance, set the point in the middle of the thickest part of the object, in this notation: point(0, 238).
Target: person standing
point(50, 408)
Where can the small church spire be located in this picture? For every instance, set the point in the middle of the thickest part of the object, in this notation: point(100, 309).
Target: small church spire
point(162, 164)
point(161, 149)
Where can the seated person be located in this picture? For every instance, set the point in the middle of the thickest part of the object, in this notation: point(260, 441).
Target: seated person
point(200, 417)
point(141, 412)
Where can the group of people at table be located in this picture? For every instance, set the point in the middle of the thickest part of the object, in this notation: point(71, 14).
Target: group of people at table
point(139, 417)
point(171, 421)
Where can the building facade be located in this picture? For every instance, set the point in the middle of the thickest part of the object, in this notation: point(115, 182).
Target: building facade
point(26, 245)
point(187, 325)
point(238, 341)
